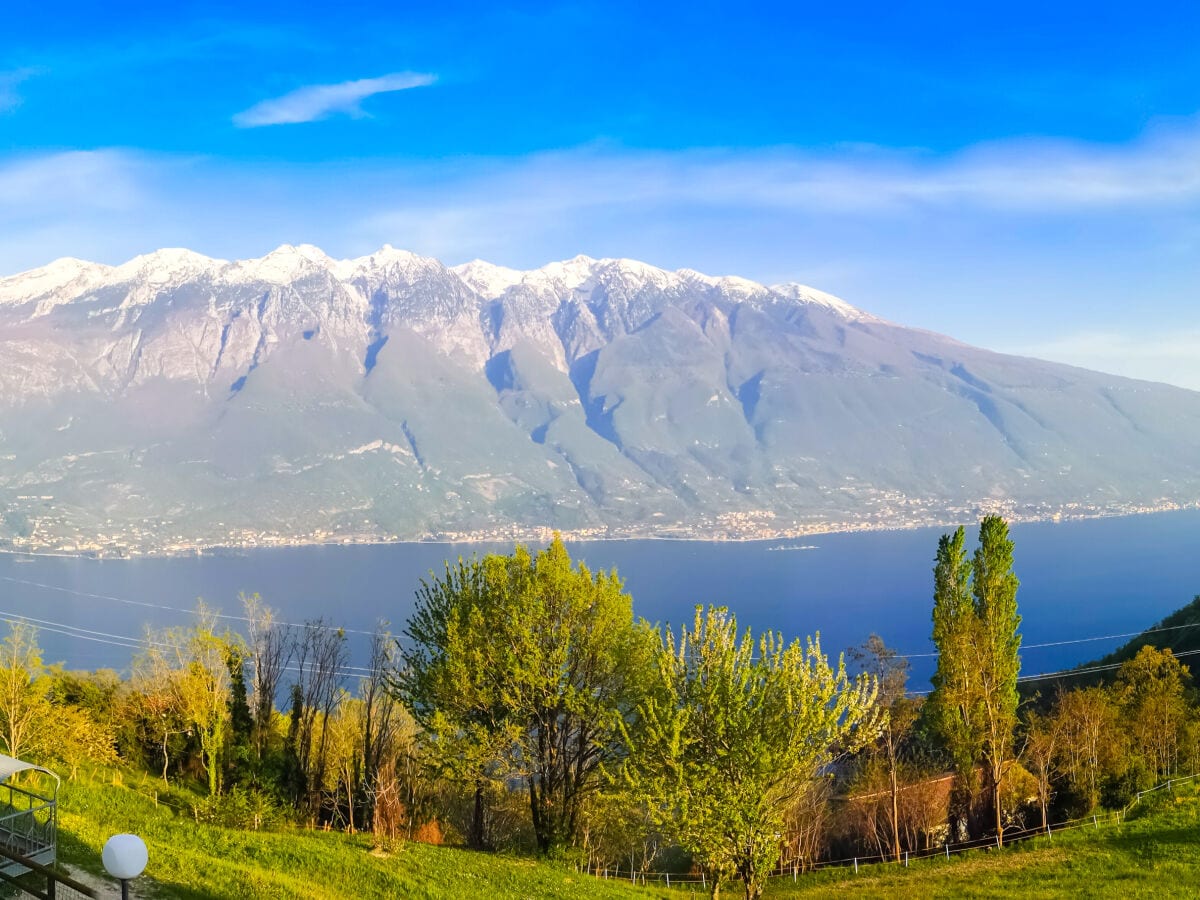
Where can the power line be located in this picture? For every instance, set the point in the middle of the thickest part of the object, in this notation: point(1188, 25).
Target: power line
point(188, 612)
point(132, 643)
point(1063, 643)
point(102, 637)
point(1066, 673)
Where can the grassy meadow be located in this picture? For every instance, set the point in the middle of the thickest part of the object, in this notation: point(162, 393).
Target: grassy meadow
point(197, 861)
point(1156, 852)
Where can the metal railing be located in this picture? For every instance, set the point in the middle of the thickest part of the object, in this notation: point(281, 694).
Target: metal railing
point(28, 826)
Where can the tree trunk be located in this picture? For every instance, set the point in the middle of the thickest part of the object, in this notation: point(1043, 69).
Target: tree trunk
point(476, 839)
point(166, 760)
point(895, 814)
point(996, 804)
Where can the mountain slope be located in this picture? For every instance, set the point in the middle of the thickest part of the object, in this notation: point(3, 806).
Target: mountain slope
point(177, 400)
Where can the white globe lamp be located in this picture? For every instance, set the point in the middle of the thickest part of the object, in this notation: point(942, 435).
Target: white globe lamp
point(124, 857)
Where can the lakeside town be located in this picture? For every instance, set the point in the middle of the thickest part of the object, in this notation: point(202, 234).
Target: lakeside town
point(51, 532)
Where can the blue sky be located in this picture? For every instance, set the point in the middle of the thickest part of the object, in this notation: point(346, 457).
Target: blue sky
point(1021, 176)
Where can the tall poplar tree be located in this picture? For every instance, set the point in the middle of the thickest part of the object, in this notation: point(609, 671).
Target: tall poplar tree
point(995, 590)
point(953, 704)
point(974, 700)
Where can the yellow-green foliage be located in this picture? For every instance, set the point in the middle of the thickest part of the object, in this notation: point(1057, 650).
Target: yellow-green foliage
point(193, 861)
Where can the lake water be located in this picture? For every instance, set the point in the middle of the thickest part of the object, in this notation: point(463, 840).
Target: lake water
point(1078, 580)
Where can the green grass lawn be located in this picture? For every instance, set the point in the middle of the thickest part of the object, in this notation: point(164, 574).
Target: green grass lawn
point(193, 861)
point(1155, 853)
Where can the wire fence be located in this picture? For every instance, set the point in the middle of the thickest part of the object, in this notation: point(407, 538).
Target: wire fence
point(946, 851)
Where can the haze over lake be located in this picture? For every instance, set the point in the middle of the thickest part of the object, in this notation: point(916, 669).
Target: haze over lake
point(1078, 580)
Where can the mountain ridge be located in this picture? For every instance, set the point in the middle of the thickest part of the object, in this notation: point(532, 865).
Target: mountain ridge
point(177, 401)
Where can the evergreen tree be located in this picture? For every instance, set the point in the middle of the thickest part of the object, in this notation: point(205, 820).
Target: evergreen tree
point(241, 723)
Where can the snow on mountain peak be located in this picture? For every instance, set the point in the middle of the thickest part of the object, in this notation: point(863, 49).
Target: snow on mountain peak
point(568, 274)
point(283, 264)
point(486, 279)
point(67, 276)
point(387, 255)
point(805, 294)
point(166, 266)
point(67, 279)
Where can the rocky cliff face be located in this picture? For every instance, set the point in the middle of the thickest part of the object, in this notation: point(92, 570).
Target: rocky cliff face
point(178, 400)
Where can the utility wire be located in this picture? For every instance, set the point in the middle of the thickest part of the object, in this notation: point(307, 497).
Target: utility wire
point(132, 643)
point(136, 642)
point(1063, 643)
point(189, 612)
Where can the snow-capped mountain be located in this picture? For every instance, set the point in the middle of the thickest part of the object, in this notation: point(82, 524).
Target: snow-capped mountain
point(179, 400)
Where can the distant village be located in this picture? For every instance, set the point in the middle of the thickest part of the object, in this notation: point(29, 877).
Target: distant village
point(50, 530)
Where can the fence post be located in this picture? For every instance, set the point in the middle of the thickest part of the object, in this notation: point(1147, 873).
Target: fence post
point(906, 859)
point(668, 879)
point(947, 851)
point(1095, 821)
point(856, 865)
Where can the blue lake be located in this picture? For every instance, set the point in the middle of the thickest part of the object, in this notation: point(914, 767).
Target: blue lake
point(1078, 580)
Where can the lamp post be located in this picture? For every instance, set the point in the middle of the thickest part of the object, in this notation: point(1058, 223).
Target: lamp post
point(124, 857)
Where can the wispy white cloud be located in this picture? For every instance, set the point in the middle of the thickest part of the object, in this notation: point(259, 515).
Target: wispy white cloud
point(10, 98)
point(473, 207)
point(65, 184)
point(1161, 170)
point(1168, 356)
point(318, 101)
point(96, 204)
point(991, 244)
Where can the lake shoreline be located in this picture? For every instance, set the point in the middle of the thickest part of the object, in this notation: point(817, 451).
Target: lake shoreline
point(542, 535)
point(1080, 579)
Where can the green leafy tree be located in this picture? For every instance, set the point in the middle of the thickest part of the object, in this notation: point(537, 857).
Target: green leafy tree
point(1091, 744)
point(23, 686)
point(953, 706)
point(190, 667)
point(994, 587)
point(1150, 690)
point(731, 734)
point(452, 682)
point(575, 658)
point(974, 701)
point(523, 666)
point(1041, 755)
